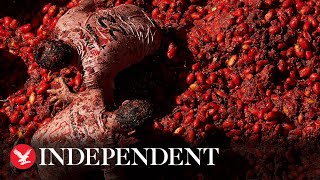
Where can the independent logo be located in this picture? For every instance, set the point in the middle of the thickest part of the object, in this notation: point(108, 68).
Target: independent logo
point(22, 156)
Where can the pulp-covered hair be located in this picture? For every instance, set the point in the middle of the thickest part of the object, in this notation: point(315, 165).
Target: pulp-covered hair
point(133, 114)
point(52, 54)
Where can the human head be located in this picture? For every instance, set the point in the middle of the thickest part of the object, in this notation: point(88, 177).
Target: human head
point(132, 114)
point(52, 54)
